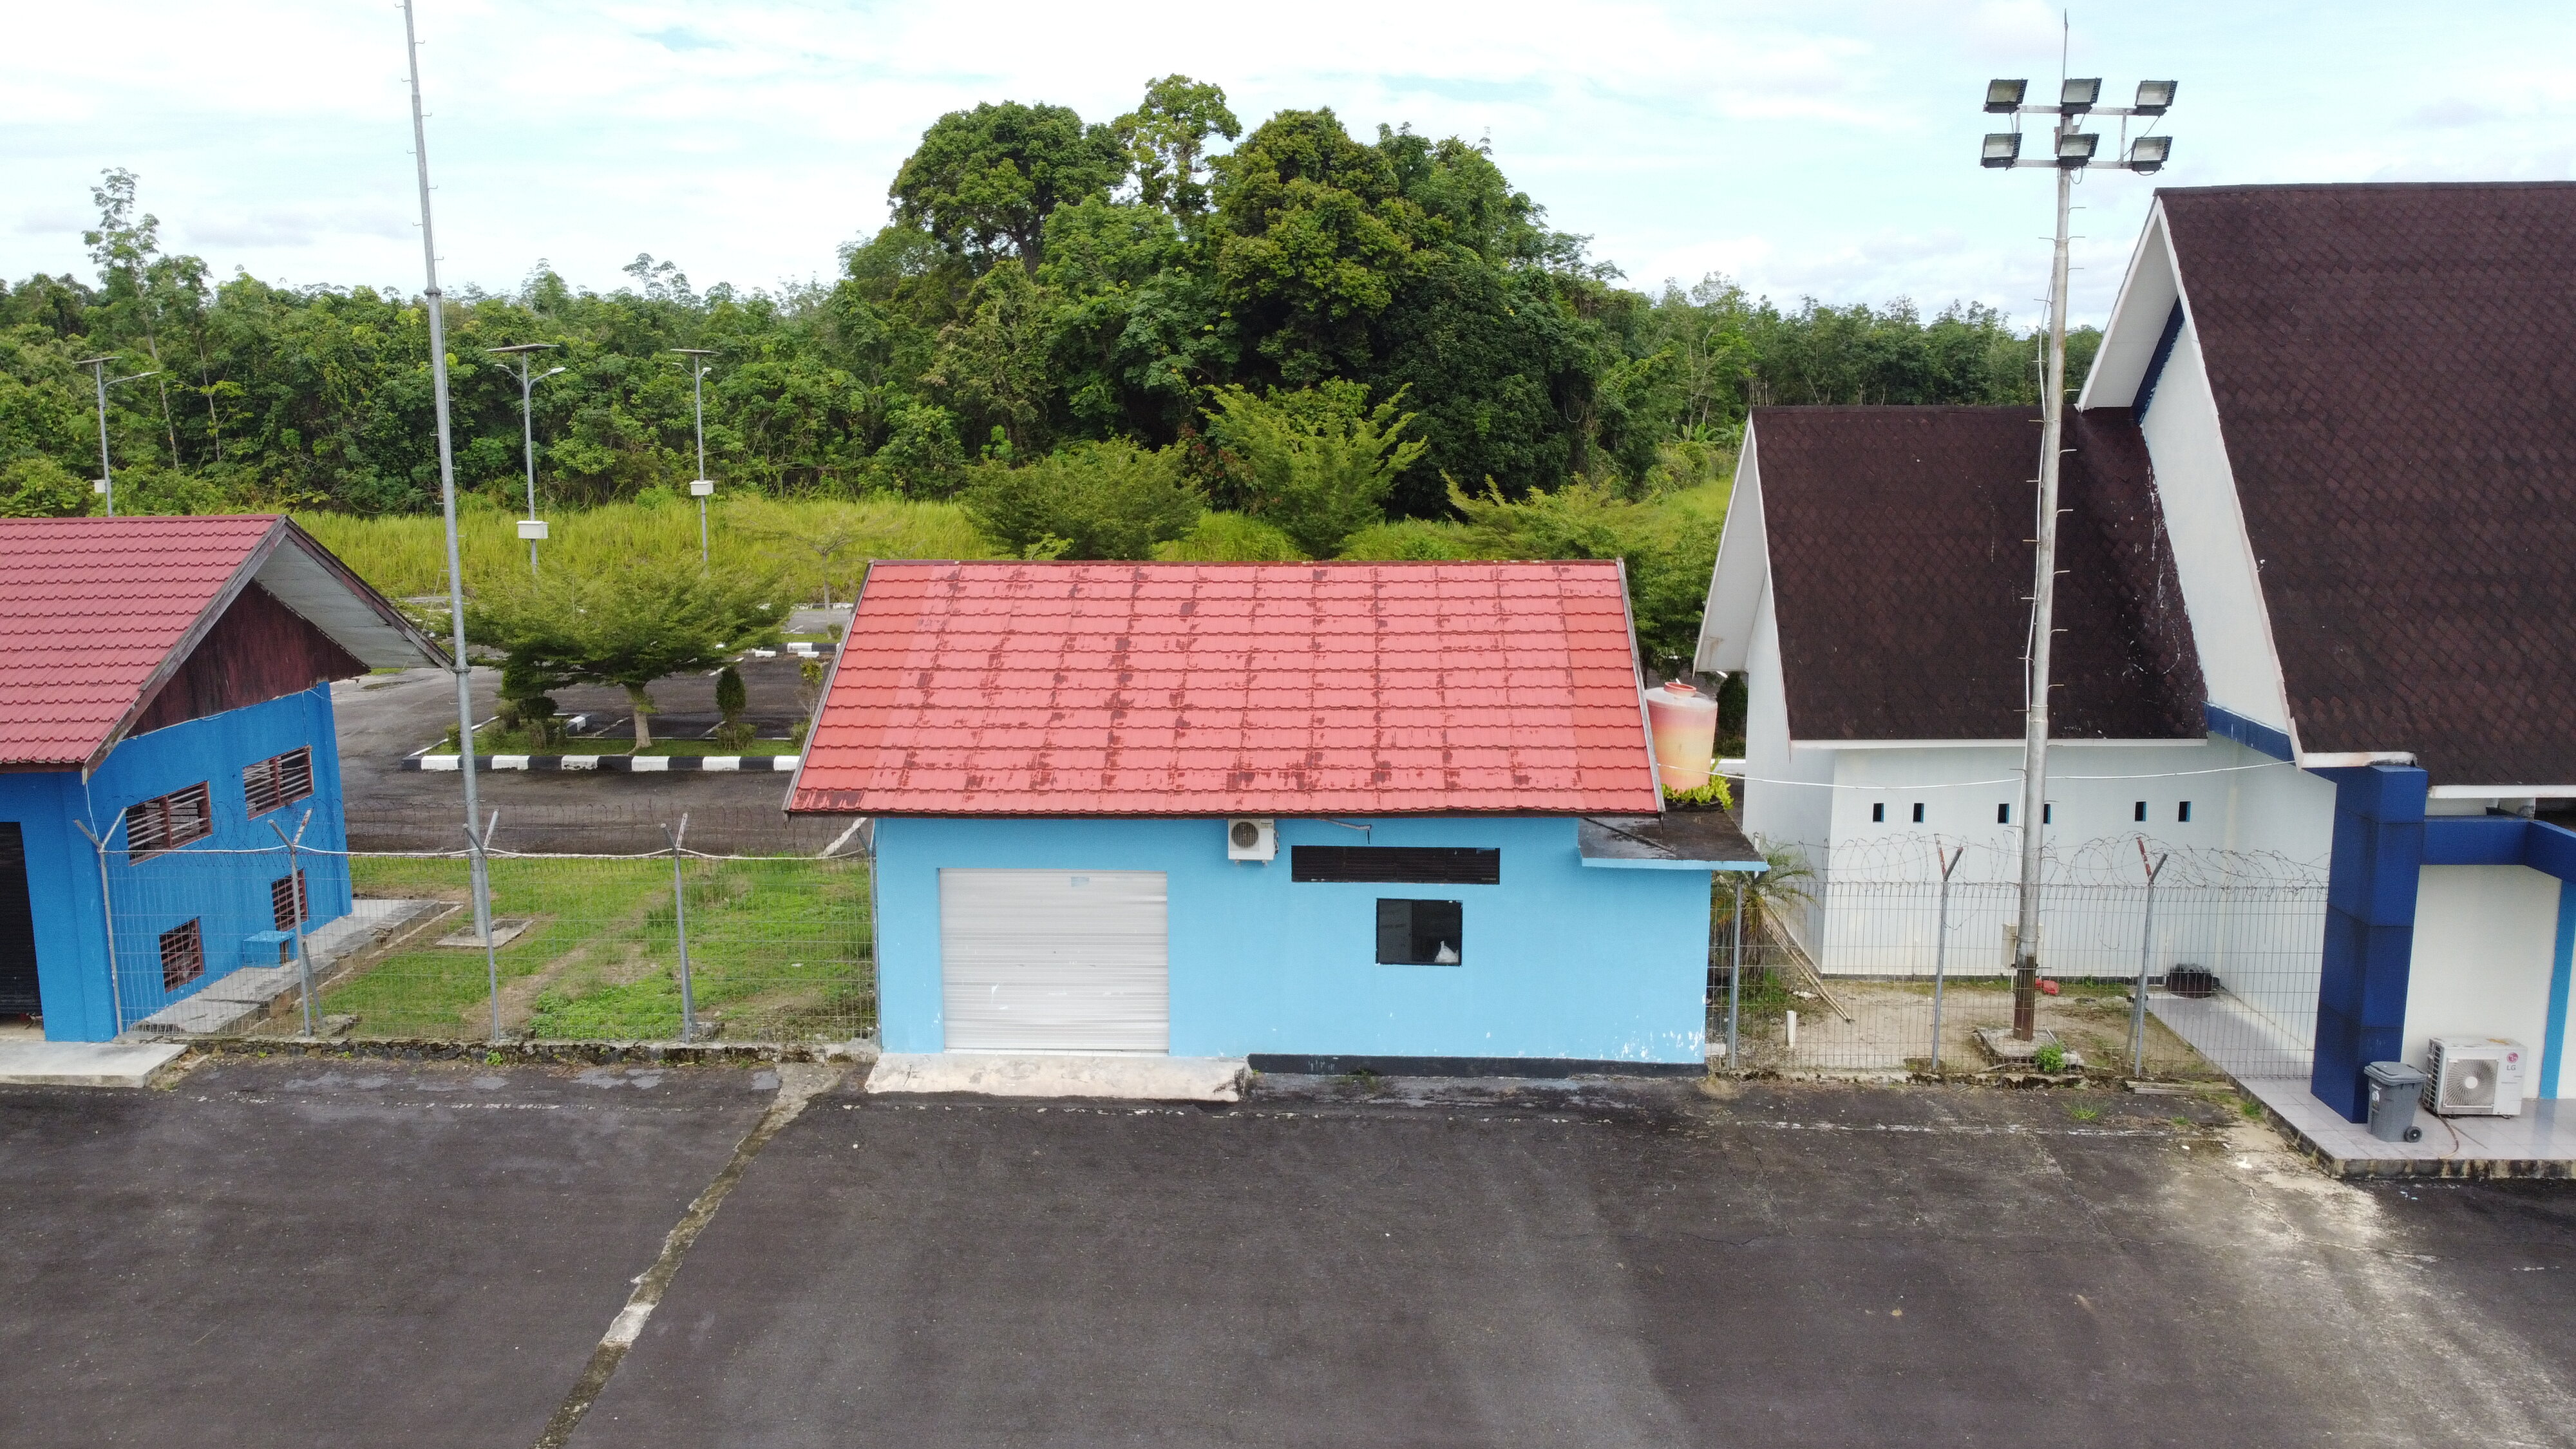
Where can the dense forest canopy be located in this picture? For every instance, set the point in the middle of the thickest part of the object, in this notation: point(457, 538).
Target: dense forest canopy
point(1044, 284)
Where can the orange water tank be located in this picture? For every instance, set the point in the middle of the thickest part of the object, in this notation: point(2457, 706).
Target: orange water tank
point(1684, 724)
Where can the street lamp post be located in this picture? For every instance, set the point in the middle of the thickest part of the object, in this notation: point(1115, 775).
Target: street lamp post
point(532, 528)
point(700, 486)
point(2071, 150)
point(98, 367)
point(436, 303)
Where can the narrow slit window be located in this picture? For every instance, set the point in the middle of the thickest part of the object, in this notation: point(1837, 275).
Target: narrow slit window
point(2003, 814)
point(2184, 814)
point(2141, 812)
point(1918, 812)
point(1420, 933)
point(287, 903)
point(1878, 814)
point(183, 956)
point(2048, 813)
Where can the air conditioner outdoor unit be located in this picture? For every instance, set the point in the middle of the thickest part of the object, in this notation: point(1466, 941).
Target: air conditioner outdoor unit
point(1248, 838)
point(2473, 1076)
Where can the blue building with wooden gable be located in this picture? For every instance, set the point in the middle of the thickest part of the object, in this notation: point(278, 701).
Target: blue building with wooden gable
point(165, 700)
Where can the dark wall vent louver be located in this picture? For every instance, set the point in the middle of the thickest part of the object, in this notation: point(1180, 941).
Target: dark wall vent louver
point(1405, 864)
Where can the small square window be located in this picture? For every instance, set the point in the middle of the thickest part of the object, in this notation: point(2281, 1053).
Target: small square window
point(2184, 814)
point(2141, 812)
point(183, 956)
point(1420, 933)
point(1878, 814)
point(2003, 814)
point(1918, 812)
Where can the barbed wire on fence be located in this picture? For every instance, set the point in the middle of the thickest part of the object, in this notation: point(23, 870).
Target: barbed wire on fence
point(2102, 862)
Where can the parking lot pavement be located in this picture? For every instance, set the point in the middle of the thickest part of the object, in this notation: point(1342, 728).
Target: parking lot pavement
point(335, 1252)
point(1443, 1264)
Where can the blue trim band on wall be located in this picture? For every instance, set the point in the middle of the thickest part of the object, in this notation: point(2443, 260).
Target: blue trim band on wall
point(2553, 1049)
point(2262, 739)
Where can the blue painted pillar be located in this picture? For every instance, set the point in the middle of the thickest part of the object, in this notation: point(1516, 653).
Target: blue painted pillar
point(2370, 928)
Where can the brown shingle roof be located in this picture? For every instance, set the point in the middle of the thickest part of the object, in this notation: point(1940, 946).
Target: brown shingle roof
point(1900, 567)
point(2393, 371)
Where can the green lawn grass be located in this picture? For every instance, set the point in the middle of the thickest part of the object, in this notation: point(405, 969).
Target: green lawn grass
point(710, 747)
point(779, 950)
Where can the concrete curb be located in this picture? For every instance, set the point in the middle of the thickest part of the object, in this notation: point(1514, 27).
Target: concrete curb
point(570, 1053)
point(612, 764)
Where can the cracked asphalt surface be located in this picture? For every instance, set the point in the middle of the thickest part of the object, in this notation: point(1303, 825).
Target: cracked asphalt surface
point(282, 1253)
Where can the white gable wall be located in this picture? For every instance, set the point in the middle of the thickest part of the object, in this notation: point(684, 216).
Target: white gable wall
point(1737, 585)
point(1779, 807)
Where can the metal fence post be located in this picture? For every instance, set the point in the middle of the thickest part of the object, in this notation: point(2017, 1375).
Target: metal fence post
point(1735, 983)
point(1941, 948)
point(680, 921)
point(2146, 948)
point(107, 917)
point(480, 851)
point(295, 902)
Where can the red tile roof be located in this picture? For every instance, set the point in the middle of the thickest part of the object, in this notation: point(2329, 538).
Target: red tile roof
point(94, 613)
point(1233, 689)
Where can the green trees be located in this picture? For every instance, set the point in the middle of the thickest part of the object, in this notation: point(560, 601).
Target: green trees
point(1317, 465)
point(984, 180)
point(1088, 500)
point(1162, 273)
point(628, 628)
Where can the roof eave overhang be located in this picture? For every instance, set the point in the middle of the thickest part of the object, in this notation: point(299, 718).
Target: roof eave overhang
point(281, 532)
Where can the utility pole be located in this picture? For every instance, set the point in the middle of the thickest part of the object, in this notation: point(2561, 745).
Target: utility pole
point(532, 528)
point(447, 483)
point(700, 486)
point(2072, 150)
point(106, 473)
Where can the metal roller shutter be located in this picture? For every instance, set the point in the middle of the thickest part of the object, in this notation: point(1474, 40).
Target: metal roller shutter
point(1051, 960)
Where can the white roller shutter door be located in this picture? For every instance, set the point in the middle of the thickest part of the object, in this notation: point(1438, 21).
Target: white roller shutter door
point(1052, 960)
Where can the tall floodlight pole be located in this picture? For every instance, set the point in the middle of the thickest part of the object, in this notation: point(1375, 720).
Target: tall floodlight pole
point(532, 528)
point(2071, 150)
point(701, 485)
point(98, 368)
point(447, 483)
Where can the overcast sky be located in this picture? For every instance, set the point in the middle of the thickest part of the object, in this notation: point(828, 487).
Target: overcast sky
point(1823, 149)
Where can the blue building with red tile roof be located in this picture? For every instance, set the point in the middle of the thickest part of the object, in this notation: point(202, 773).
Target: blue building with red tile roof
point(1397, 815)
point(165, 696)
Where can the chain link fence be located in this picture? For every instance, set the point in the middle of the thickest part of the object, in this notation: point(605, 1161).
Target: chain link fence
point(1910, 975)
point(606, 944)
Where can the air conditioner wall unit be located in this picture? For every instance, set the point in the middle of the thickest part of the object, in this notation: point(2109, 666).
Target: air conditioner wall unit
point(2473, 1076)
point(1250, 837)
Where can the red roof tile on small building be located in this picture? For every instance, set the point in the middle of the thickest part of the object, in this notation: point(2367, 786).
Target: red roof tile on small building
point(1233, 689)
point(95, 614)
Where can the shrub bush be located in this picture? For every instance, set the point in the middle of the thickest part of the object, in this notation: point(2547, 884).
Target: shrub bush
point(1109, 500)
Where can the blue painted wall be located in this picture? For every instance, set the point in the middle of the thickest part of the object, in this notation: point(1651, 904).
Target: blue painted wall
point(2370, 929)
point(227, 894)
point(1561, 960)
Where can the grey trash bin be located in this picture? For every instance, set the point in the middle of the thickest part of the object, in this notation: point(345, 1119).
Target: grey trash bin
point(2394, 1086)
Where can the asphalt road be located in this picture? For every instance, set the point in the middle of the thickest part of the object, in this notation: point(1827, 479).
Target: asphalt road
point(383, 718)
point(292, 1254)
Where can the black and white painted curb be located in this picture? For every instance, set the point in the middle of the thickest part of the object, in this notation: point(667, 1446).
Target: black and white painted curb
point(627, 764)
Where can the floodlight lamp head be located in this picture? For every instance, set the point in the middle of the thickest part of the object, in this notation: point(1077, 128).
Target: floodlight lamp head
point(2075, 149)
point(2154, 97)
point(2003, 97)
point(2002, 148)
point(549, 372)
point(2075, 97)
point(2148, 154)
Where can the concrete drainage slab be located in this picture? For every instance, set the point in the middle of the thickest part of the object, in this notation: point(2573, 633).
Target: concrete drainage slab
point(85, 1063)
point(1123, 1078)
